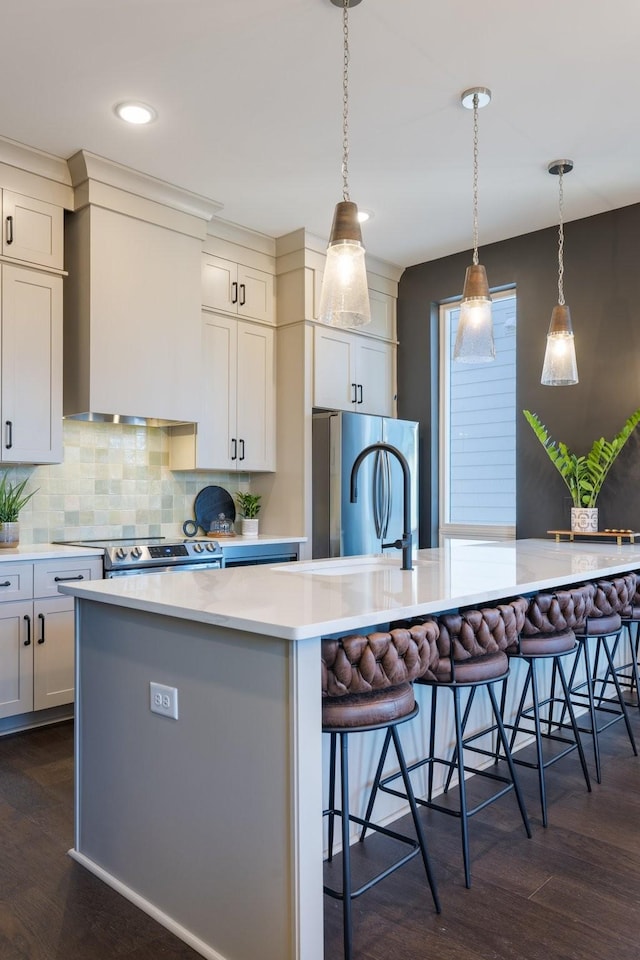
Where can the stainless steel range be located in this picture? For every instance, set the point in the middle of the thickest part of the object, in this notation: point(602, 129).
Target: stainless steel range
point(128, 557)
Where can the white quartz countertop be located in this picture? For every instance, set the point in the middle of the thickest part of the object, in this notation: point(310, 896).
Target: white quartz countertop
point(319, 597)
point(47, 551)
point(261, 540)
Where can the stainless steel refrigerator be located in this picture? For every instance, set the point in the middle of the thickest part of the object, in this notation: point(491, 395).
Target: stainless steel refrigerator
point(342, 528)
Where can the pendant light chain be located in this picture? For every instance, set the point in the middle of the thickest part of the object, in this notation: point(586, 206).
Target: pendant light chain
point(345, 102)
point(561, 239)
point(475, 179)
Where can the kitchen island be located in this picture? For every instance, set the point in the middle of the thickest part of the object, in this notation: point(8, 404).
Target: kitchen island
point(211, 822)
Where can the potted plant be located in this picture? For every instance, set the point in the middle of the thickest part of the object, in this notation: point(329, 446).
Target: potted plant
point(583, 475)
point(12, 500)
point(249, 504)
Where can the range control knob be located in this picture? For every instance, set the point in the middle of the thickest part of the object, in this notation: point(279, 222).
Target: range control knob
point(121, 553)
point(210, 547)
point(136, 553)
point(198, 547)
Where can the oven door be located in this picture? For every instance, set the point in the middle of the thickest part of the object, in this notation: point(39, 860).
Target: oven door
point(170, 568)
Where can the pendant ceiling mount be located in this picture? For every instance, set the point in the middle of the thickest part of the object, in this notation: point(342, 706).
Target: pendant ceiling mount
point(556, 167)
point(351, 3)
point(467, 97)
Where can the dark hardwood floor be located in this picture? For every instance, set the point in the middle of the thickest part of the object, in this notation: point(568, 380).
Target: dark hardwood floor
point(572, 892)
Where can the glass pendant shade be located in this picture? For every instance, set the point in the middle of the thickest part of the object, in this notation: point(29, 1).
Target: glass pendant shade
point(344, 298)
point(560, 368)
point(474, 339)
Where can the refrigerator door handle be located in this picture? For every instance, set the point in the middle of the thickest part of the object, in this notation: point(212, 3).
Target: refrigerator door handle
point(378, 494)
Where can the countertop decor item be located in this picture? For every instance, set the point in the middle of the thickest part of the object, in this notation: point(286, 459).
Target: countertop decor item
point(12, 500)
point(583, 475)
point(209, 504)
point(249, 504)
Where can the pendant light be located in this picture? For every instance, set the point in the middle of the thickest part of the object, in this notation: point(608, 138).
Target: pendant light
point(344, 298)
point(474, 340)
point(560, 368)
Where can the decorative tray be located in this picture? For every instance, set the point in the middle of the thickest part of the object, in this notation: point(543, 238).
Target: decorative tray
point(620, 536)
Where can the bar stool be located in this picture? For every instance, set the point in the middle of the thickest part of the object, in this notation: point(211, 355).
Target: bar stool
point(548, 634)
point(603, 625)
point(366, 685)
point(472, 656)
point(628, 671)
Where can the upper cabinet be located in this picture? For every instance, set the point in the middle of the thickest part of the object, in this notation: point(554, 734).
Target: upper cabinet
point(32, 230)
point(353, 372)
point(237, 428)
point(31, 368)
point(237, 289)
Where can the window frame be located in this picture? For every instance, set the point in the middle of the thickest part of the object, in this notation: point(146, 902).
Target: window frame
point(447, 529)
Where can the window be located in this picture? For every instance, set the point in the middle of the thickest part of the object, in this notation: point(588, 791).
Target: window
point(478, 430)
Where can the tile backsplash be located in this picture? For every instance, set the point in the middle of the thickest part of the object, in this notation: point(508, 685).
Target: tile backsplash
point(115, 482)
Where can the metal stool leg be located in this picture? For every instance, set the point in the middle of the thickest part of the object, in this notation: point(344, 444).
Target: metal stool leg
point(332, 792)
point(462, 790)
point(509, 759)
point(376, 781)
point(346, 850)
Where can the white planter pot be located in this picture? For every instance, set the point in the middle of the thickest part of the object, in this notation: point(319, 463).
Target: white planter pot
point(584, 519)
point(249, 528)
point(9, 534)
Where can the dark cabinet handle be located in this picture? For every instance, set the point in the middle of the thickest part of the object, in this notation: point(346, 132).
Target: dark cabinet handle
point(355, 392)
point(234, 292)
point(9, 230)
point(6, 583)
point(241, 457)
point(234, 455)
point(243, 291)
point(27, 642)
point(41, 619)
point(9, 431)
point(80, 576)
point(360, 393)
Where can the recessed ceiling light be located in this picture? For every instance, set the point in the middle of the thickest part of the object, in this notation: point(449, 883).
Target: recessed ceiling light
point(132, 111)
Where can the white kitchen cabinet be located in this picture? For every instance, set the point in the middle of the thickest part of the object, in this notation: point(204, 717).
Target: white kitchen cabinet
point(237, 289)
point(237, 426)
point(31, 366)
point(353, 372)
point(33, 231)
point(37, 632)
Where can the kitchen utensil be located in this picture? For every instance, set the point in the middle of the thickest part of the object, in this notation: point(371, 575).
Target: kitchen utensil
point(208, 505)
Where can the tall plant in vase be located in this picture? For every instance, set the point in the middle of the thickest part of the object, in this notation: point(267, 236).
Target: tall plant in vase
point(12, 500)
point(583, 475)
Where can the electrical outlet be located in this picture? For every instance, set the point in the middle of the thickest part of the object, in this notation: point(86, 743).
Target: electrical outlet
point(163, 700)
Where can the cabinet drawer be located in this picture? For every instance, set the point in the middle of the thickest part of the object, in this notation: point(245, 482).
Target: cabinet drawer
point(48, 574)
point(16, 581)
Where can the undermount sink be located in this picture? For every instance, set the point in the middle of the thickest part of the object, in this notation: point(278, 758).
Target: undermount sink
point(344, 566)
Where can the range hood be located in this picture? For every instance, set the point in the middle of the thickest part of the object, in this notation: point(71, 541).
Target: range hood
point(132, 300)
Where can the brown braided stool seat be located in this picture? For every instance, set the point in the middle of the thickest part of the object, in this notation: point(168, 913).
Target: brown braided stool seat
point(603, 625)
point(548, 634)
point(471, 656)
point(367, 685)
point(628, 671)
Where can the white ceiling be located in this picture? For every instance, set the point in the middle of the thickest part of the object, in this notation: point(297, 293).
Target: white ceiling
point(249, 97)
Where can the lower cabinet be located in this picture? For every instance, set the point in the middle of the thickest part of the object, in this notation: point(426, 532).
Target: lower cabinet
point(37, 634)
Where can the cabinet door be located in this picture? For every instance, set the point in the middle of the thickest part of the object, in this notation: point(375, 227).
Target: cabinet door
point(53, 653)
point(255, 294)
point(255, 398)
point(335, 384)
point(217, 444)
point(374, 375)
point(220, 284)
point(31, 366)
point(32, 230)
point(16, 658)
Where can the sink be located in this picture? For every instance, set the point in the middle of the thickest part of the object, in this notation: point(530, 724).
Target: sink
point(344, 566)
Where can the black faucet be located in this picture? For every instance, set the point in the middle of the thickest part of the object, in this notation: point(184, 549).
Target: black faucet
point(405, 543)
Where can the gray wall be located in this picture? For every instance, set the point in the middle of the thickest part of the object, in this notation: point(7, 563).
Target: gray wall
point(602, 289)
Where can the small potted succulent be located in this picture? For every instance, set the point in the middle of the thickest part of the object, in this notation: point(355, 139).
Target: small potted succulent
point(249, 504)
point(12, 500)
point(584, 475)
